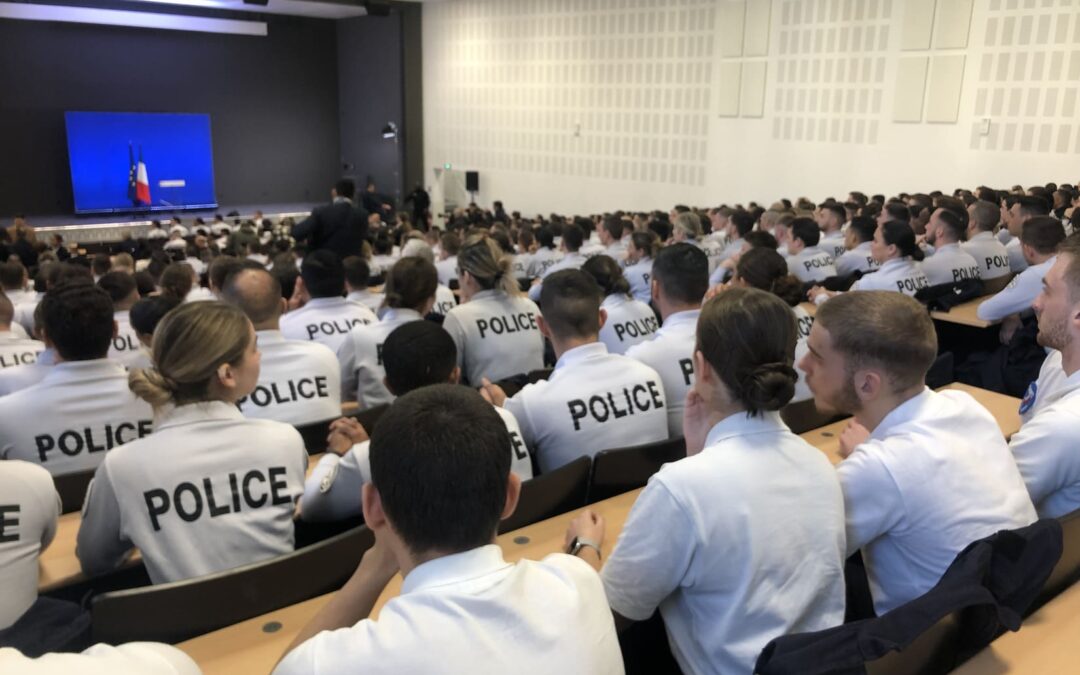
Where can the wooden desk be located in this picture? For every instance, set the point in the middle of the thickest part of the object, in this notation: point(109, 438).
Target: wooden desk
point(1005, 410)
point(58, 566)
point(246, 647)
point(809, 307)
point(964, 314)
point(1046, 643)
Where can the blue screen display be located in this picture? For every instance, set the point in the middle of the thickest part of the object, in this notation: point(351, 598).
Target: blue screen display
point(175, 149)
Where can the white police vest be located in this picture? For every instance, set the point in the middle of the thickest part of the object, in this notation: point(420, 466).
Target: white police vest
point(496, 336)
point(1046, 389)
point(1045, 449)
point(332, 491)
point(24, 313)
point(69, 420)
point(1018, 296)
point(857, 259)
point(811, 264)
point(360, 358)
point(899, 274)
point(29, 508)
point(570, 261)
point(208, 491)
point(16, 351)
point(541, 261)
point(950, 265)
point(447, 270)
point(629, 322)
point(803, 323)
point(833, 244)
point(326, 321)
point(989, 254)
point(20, 377)
point(519, 265)
point(299, 382)
point(444, 301)
point(670, 353)
point(125, 347)
point(367, 298)
point(640, 277)
point(592, 401)
point(1017, 262)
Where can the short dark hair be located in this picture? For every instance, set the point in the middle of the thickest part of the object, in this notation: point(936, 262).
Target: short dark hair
point(806, 231)
point(78, 319)
point(1032, 206)
point(952, 223)
point(682, 270)
point(119, 285)
point(836, 208)
point(417, 354)
point(323, 274)
point(176, 280)
point(614, 226)
point(223, 266)
point(450, 242)
point(345, 188)
point(743, 222)
point(12, 274)
point(101, 264)
point(148, 312)
point(357, 271)
point(899, 234)
point(1043, 233)
point(765, 269)
point(761, 239)
point(570, 303)
point(608, 275)
point(863, 227)
point(545, 237)
point(573, 237)
point(748, 336)
point(439, 461)
point(898, 211)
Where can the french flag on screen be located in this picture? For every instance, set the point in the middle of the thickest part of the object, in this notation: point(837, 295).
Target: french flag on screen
point(138, 182)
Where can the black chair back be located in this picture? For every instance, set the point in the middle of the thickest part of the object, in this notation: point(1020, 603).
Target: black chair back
point(551, 494)
point(539, 374)
point(941, 372)
point(934, 652)
point(72, 489)
point(623, 469)
point(804, 416)
point(1067, 570)
point(315, 434)
point(181, 610)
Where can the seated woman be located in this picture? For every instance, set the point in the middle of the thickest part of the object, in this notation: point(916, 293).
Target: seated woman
point(208, 490)
point(894, 248)
point(629, 321)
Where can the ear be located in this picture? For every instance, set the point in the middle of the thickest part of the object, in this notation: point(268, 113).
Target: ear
point(513, 493)
point(654, 290)
point(869, 385)
point(371, 502)
point(703, 372)
point(226, 376)
point(542, 325)
point(455, 375)
point(115, 329)
point(603, 317)
point(285, 304)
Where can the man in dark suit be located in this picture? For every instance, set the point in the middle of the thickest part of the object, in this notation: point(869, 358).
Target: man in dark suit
point(339, 226)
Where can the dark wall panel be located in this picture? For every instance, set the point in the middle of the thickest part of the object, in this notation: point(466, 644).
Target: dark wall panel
point(273, 103)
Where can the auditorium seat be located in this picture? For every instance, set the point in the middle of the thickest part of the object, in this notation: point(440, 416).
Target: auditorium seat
point(623, 469)
point(1067, 570)
point(550, 495)
point(72, 489)
point(181, 610)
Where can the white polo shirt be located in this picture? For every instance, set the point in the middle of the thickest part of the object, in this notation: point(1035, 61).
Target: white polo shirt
point(29, 508)
point(629, 322)
point(1046, 453)
point(732, 565)
point(989, 254)
point(360, 358)
point(444, 300)
point(496, 336)
point(20, 377)
point(803, 323)
point(1017, 262)
point(16, 351)
point(950, 265)
point(670, 352)
point(519, 265)
point(473, 612)
point(21, 295)
point(570, 261)
point(812, 264)
point(640, 277)
point(1018, 296)
point(1044, 390)
point(899, 274)
point(447, 270)
point(857, 259)
point(593, 401)
point(367, 298)
point(540, 261)
point(76, 413)
point(332, 491)
point(833, 244)
point(145, 658)
point(207, 491)
point(199, 294)
point(126, 347)
point(935, 475)
point(299, 382)
point(326, 321)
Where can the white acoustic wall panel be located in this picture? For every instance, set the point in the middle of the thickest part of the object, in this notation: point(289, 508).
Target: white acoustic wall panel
point(918, 24)
point(756, 39)
point(730, 24)
point(730, 88)
point(952, 25)
point(943, 92)
point(752, 99)
point(910, 86)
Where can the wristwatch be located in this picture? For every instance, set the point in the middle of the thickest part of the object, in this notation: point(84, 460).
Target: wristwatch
point(581, 542)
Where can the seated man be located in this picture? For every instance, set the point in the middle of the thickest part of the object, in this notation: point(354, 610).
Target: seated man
point(989, 253)
point(949, 264)
point(1039, 239)
point(808, 261)
point(124, 293)
point(15, 350)
point(326, 316)
point(18, 378)
point(416, 354)
point(593, 400)
point(83, 406)
point(572, 240)
point(440, 483)
point(357, 273)
point(925, 473)
point(299, 380)
point(1045, 446)
point(858, 240)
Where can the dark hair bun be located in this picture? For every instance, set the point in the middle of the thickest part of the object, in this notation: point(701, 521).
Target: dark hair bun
point(770, 386)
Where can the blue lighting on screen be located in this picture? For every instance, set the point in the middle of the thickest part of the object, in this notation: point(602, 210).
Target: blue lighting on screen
point(175, 147)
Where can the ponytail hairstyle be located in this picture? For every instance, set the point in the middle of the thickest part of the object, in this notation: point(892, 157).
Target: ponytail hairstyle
point(190, 343)
point(765, 269)
point(748, 337)
point(647, 241)
point(411, 284)
point(486, 262)
point(607, 274)
point(899, 234)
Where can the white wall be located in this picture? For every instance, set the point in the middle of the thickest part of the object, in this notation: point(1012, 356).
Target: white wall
point(710, 101)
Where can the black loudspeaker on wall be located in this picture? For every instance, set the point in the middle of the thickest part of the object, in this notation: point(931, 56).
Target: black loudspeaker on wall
point(472, 181)
point(377, 7)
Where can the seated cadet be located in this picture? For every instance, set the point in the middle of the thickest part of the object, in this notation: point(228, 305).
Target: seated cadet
point(416, 247)
point(124, 293)
point(299, 380)
point(831, 219)
point(1020, 210)
point(417, 354)
point(629, 321)
point(573, 237)
point(18, 378)
point(145, 315)
point(357, 273)
point(494, 328)
point(440, 483)
point(82, 406)
point(640, 251)
point(926, 473)
point(1040, 239)
point(14, 280)
point(410, 293)
point(1045, 446)
point(449, 246)
point(807, 260)
point(949, 264)
point(145, 658)
point(730, 565)
point(858, 239)
point(326, 316)
point(166, 493)
point(545, 255)
point(15, 350)
point(989, 253)
point(593, 400)
point(680, 277)
point(221, 267)
point(897, 253)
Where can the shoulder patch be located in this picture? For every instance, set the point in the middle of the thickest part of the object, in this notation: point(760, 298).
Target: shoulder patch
point(1029, 397)
point(328, 480)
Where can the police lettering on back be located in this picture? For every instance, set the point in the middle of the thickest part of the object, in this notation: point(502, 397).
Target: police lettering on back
point(18, 359)
point(124, 343)
point(636, 328)
point(335, 327)
point(911, 285)
point(187, 498)
point(616, 405)
point(9, 522)
point(499, 325)
point(288, 392)
point(74, 442)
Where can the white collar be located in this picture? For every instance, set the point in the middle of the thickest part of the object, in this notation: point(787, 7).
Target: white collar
point(742, 424)
point(203, 411)
point(84, 371)
point(684, 317)
point(454, 569)
point(400, 313)
point(581, 354)
point(324, 302)
point(910, 409)
point(982, 235)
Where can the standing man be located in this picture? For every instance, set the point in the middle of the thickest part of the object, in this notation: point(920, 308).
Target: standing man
point(340, 226)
